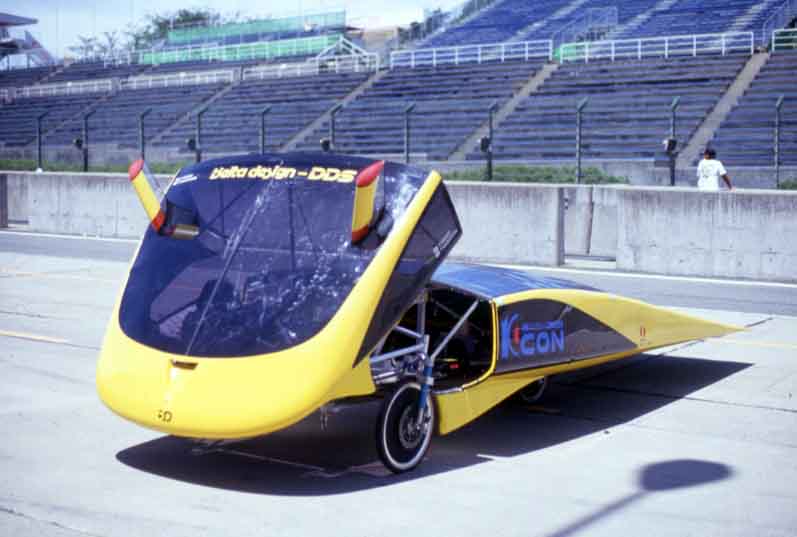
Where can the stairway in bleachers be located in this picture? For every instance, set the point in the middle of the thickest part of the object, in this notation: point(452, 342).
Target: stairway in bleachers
point(746, 137)
point(451, 103)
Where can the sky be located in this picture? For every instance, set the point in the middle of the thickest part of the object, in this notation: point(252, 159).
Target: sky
point(61, 21)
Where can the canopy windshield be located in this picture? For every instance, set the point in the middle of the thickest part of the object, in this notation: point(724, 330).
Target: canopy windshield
point(272, 261)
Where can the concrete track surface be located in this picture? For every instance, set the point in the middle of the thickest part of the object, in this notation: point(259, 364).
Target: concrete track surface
point(699, 439)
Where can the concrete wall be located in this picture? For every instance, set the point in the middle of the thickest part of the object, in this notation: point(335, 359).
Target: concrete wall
point(81, 204)
point(509, 223)
point(683, 231)
point(678, 231)
point(591, 220)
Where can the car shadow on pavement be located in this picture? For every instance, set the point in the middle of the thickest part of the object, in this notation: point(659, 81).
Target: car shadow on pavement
point(307, 459)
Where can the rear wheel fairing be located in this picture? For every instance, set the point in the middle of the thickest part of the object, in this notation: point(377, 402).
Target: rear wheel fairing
point(247, 396)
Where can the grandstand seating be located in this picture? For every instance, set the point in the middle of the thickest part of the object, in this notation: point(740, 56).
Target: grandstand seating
point(451, 103)
point(92, 70)
point(116, 119)
point(693, 17)
point(18, 119)
point(628, 112)
point(23, 77)
point(232, 124)
point(745, 138)
point(497, 23)
point(626, 11)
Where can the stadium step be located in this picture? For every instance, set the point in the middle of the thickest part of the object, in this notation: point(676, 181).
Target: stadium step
point(505, 111)
point(714, 119)
point(292, 144)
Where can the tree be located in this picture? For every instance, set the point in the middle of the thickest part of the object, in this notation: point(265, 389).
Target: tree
point(87, 47)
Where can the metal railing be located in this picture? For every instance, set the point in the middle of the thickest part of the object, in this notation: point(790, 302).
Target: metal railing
point(316, 66)
point(592, 19)
point(779, 18)
point(494, 52)
point(784, 40)
point(66, 88)
point(658, 47)
point(190, 78)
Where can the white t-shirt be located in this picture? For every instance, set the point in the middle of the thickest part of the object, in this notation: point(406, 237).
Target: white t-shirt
point(709, 173)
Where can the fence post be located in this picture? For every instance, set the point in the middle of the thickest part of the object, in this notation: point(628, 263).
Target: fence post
point(694, 46)
point(39, 156)
point(493, 108)
point(86, 140)
point(579, 110)
point(3, 200)
point(778, 105)
point(673, 152)
point(722, 40)
point(263, 113)
point(332, 114)
point(639, 49)
point(142, 142)
point(612, 50)
point(407, 112)
point(199, 134)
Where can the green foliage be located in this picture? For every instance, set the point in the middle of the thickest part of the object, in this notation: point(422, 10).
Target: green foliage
point(156, 26)
point(791, 184)
point(536, 174)
point(30, 165)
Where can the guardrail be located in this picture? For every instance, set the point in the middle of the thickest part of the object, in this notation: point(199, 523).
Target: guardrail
point(494, 52)
point(658, 47)
point(784, 40)
point(189, 78)
point(66, 88)
point(336, 64)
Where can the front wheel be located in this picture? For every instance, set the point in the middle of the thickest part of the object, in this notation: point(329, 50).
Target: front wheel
point(532, 393)
point(400, 440)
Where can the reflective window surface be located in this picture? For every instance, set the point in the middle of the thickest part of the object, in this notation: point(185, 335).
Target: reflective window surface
point(272, 262)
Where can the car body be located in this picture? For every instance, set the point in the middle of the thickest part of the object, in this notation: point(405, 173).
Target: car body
point(269, 286)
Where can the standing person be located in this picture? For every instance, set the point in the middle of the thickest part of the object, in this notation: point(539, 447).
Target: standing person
point(710, 170)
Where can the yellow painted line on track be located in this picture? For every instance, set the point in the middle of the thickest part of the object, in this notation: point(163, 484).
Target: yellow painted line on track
point(772, 344)
point(33, 337)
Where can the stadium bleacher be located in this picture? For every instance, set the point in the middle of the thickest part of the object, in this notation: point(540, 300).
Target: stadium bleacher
point(18, 119)
point(451, 102)
point(116, 119)
point(94, 69)
point(498, 22)
point(18, 78)
point(628, 111)
point(626, 118)
point(745, 138)
point(686, 17)
point(233, 122)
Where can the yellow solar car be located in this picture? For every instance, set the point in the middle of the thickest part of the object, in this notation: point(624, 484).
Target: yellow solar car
point(268, 286)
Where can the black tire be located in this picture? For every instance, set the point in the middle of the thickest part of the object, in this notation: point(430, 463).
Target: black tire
point(400, 447)
point(532, 393)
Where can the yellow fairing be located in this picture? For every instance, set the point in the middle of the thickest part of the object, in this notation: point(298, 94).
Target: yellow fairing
point(647, 326)
point(145, 194)
point(243, 397)
point(363, 211)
